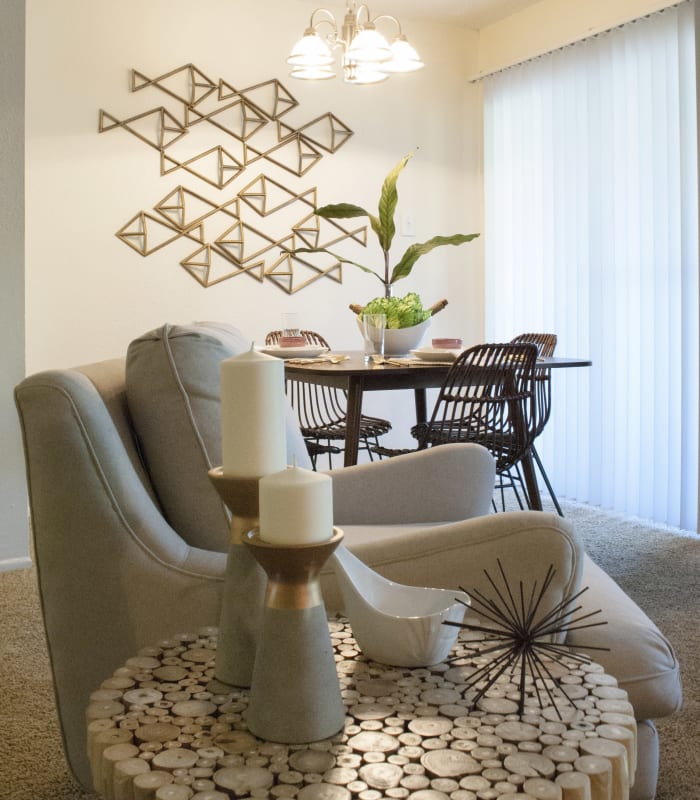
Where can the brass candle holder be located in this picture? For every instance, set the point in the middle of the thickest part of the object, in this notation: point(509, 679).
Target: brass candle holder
point(244, 583)
point(295, 694)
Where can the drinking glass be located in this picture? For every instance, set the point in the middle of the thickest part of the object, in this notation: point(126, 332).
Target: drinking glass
point(290, 324)
point(373, 327)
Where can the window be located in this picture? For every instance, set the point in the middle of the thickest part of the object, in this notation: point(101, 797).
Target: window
point(591, 217)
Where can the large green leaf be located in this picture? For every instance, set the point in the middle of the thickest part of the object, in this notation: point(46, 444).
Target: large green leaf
point(415, 251)
point(346, 211)
point(388, 201)
point(341, 211)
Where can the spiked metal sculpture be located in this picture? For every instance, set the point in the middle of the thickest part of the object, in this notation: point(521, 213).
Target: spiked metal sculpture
point(524, 640)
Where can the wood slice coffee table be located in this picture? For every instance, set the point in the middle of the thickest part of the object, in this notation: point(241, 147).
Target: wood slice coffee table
point(162, 727)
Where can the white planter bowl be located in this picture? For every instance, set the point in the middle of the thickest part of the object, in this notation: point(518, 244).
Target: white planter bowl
point(400, 341)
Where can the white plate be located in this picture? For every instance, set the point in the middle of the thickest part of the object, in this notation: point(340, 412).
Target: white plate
point(435, 354)
point(309, 351)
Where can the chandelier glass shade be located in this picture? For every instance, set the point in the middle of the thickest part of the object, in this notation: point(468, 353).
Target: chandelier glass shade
point(367, 57)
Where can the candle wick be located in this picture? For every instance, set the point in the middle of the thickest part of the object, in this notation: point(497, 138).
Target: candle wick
point(294, 461)
point(252, 345)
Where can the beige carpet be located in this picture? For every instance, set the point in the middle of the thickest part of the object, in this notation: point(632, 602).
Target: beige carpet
point(658, 567)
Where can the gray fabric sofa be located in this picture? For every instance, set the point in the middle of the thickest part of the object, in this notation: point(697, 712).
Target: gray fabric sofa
point(109, 445)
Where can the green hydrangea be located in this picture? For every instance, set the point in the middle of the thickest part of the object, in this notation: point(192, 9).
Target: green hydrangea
point(401, 312)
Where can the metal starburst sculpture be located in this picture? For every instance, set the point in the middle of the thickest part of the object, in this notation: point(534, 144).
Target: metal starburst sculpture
point(522, 639)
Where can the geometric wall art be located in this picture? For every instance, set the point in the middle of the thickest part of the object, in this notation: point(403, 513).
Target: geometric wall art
point(208, 135)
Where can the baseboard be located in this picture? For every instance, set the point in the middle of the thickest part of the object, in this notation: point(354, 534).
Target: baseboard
point(15, 563)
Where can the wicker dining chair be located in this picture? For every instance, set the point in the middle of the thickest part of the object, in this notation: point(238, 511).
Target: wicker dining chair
point(546, 344)
point(322, 412)
point(487, 397)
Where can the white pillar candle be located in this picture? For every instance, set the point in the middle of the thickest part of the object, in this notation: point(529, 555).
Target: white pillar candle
point(253, 433)
point(296, 507)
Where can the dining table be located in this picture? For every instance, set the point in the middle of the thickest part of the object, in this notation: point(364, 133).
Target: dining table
point(352, 373)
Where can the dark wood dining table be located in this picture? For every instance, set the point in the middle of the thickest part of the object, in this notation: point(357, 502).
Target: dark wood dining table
point(357, 377)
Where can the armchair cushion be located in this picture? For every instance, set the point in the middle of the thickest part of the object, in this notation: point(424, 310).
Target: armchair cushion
point(173, 394)
point(638, 654)
point(440, 484)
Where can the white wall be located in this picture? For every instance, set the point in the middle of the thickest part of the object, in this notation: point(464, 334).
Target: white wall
point(88, 294)
point(13, 505)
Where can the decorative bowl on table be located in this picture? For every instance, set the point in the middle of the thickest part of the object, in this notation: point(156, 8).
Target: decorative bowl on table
point(400, 341)
point(394, 623)
point(447, 343)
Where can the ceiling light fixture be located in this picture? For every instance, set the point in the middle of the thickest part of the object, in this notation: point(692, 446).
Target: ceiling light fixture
point(367, 57)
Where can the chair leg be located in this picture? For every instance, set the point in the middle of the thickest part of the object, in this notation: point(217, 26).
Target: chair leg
point(523, 502)
point(313, 455)
point(507, 480)
point(543, 472)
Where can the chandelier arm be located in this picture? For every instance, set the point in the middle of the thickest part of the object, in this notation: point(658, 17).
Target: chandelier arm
point(362, 7)
point(393, 19)
point(330, 20)
point(332, 37)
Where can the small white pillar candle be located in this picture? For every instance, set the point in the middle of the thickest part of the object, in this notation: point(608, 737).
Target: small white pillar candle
point(253, 432)
point(296, 507)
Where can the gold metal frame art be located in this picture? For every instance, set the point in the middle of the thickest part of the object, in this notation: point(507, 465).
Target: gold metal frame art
point(251, 231)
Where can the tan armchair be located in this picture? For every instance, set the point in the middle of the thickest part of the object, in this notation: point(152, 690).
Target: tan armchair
point(116, 575)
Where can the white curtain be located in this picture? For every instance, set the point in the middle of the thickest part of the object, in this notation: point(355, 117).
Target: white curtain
point(591, 220)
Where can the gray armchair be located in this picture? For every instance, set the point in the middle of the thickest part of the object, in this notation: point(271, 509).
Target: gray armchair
point(115, 574)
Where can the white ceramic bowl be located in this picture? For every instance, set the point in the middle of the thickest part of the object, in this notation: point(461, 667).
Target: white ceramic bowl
point(393, 623)
point(400, 341)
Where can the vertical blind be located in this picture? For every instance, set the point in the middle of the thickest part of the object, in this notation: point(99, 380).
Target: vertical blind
point(591, 218)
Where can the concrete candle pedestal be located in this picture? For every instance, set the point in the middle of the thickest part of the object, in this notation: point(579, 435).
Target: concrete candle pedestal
point(244, 583)
point(295, 694)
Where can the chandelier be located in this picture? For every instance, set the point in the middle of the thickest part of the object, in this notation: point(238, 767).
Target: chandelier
point(367, 57)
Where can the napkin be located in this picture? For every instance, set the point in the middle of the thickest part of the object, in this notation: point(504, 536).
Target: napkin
point(331, 359)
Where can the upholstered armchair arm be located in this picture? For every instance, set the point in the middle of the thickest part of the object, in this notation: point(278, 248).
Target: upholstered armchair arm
point(456, 554)
point(440, 484)
point(637, 652)
point(113, 575)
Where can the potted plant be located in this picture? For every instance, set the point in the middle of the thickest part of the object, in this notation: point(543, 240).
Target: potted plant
point(405, 311)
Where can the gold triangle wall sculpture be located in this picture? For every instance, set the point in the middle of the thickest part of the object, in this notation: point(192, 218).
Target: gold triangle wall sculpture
point(295, 154)
point(166, 128)
point(327, 132)
point(265, 196)
point(197, 86)
point(183, 208)
point(243, 243)
point(209, 267)
point(215, 166)
point(270, 97)
point(292, 273)
point(246, 118)
point(314, 232)
point(142, 229)
point(247, 123)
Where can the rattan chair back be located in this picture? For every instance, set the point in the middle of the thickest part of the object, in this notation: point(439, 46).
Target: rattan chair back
point(322, 410)
point(311, 337)
point(546, 344)
point(488, 398)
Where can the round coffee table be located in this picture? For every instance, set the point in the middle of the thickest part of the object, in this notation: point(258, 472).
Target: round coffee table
point(162, 727)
